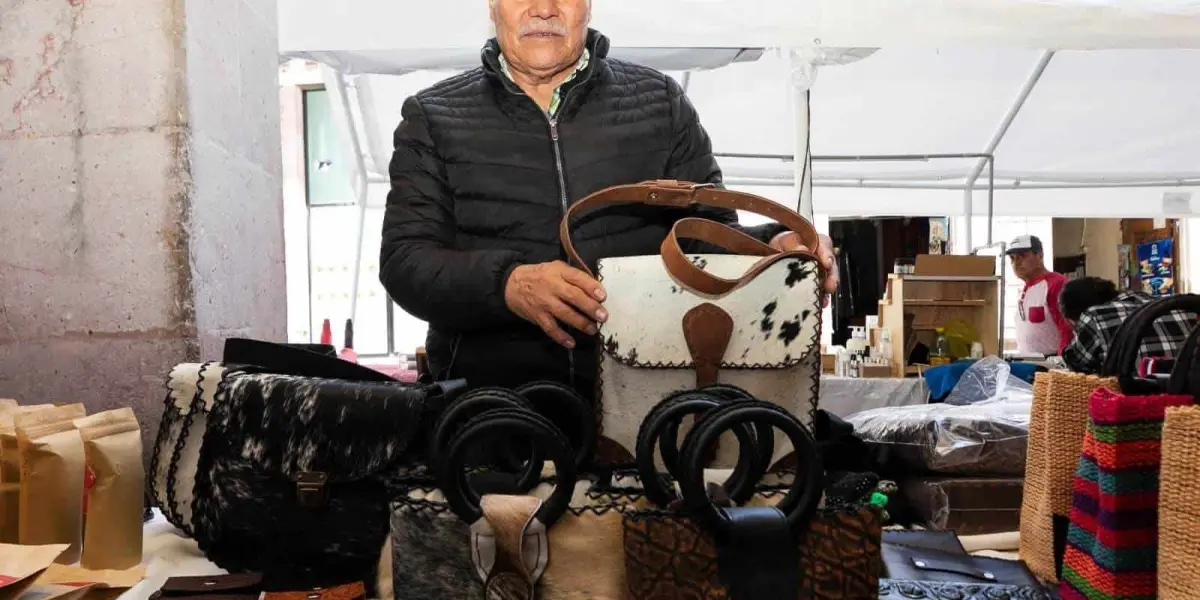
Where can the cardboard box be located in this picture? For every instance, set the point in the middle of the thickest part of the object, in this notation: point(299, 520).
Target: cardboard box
point(956, 266)
point(875, 371)
point(828, 363)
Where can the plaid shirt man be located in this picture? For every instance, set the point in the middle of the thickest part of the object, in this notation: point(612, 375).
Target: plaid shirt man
point(1098, 325)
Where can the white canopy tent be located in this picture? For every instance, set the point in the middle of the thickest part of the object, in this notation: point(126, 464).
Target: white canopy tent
point(1071, 131)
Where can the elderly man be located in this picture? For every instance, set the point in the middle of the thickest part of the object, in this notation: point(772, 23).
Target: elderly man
point(486, 163)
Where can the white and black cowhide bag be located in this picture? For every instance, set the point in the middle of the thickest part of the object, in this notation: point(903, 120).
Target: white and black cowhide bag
point(750, 317)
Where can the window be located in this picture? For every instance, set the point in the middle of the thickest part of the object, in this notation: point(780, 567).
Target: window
point(380, 327)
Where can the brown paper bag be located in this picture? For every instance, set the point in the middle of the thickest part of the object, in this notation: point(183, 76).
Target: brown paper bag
point(52, 475)
point(10, 472)
point(59, 582)
point(112, 535)
point(19, 565)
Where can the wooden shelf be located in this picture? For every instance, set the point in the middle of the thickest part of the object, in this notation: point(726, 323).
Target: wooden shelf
point(964, 278)
point(970, 303)
point(933, 301)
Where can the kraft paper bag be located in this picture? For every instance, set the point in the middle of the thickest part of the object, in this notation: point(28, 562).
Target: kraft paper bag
point(52, 478)
point(10, 471)
point(112, 534)
point(59, 582)
point(20, 564)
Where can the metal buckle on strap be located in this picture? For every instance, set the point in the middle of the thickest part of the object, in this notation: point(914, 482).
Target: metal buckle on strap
point(310, 489)
point(673, 191)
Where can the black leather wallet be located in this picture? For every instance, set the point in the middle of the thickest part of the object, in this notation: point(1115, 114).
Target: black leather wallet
point(920, 564)
point(240, 586)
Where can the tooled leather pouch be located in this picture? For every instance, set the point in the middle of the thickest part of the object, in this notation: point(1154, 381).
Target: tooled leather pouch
point(922, 564)
point(237, 586)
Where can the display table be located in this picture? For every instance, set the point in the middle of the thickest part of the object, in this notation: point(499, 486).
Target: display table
point(844, 396)
point(167, 552)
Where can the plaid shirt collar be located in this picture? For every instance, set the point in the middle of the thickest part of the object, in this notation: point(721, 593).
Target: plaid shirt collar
point(556, 97)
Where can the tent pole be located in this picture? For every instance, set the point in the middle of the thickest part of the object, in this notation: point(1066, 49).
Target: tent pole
point(360, 178)
point(1011, 115)
point(990, 150)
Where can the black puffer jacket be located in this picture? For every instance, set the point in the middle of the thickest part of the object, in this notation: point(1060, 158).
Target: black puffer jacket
point(478, 188)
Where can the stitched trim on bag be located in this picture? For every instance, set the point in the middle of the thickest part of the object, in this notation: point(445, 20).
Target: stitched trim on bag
point(215, 443)
point(436, 507)
point(633, 362)
point(196, 406)
point(659, 513)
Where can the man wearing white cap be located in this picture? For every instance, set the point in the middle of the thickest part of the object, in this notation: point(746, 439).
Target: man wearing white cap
point(1041, 328)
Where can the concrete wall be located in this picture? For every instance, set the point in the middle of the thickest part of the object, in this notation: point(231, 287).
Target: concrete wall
point(140, 213)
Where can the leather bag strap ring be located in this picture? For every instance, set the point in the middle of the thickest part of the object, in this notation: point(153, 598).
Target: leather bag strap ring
point(474, 403)
point(548, 397)
point(765, 434)
point(669, 414)
point(508, 423)
point(802, 498)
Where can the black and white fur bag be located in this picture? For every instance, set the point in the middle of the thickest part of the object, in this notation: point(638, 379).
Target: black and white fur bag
point(750, 318)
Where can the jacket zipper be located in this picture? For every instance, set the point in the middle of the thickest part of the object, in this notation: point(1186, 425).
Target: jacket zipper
point(558, 163)
point(562, 195)
point(562, 184)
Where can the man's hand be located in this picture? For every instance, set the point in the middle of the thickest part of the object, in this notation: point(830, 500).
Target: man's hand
point(790, 240)
point(549, 294)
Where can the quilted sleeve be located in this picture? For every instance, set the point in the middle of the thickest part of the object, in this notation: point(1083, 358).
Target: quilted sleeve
point(692, 159)
point(419, 266)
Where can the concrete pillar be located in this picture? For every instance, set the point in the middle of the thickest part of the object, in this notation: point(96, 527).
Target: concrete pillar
point(140, 193)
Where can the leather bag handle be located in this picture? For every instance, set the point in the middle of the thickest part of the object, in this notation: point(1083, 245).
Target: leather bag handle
point(1121, 360)
point(683, 194)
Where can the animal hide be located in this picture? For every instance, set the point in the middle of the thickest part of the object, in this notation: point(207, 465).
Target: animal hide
point(266, 433)
point(772, 351)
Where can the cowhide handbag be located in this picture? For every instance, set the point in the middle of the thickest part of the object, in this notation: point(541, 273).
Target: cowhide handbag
point(750, 317)
point(295, 473)
point(777, 545)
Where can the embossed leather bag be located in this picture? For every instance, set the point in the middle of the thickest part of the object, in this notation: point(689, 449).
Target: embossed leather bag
point(467, 536)
point(776, 545)
point(749, 317)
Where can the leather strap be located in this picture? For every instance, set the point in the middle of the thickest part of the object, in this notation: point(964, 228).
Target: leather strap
point(759, 556)
point(707, 329)
point(682, 194)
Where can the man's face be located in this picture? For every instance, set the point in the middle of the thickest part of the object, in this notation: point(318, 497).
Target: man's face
point(541, 37)
point(1024, 263)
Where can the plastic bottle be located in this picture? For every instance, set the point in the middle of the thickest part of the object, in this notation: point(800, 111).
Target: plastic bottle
point(940, 353)
point(348, 352)
point(885, 346)
point(326, 333)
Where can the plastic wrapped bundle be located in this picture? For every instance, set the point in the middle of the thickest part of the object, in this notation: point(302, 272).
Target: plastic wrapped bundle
point(984, 438)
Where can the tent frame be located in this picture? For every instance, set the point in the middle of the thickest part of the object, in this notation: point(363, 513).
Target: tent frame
point(985, 160)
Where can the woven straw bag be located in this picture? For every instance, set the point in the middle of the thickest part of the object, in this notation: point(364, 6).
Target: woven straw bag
point(1057, 423)
point(1178, 516)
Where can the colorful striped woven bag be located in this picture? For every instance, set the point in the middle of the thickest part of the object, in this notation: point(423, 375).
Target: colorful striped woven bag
point(1113, 537)
point(1112, 540)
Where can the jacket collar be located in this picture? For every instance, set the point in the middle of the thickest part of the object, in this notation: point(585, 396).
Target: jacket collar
point(596, 44)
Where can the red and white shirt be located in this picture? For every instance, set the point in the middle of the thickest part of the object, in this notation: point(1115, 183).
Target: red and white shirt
point(1041, 328)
